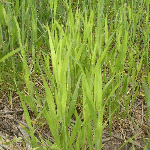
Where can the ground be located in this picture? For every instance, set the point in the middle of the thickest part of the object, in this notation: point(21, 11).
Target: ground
point(12, 116)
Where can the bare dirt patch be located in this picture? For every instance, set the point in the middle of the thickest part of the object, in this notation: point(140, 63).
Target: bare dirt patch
point(11, 116)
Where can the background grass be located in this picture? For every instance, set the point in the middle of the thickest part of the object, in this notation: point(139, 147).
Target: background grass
point(93, 55)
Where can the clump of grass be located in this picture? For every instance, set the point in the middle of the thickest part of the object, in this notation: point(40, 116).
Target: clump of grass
point(84, 53)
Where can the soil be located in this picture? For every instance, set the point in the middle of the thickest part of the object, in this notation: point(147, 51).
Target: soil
point(12, 119)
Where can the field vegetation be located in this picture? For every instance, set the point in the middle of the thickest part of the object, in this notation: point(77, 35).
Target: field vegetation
point(79, 66)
